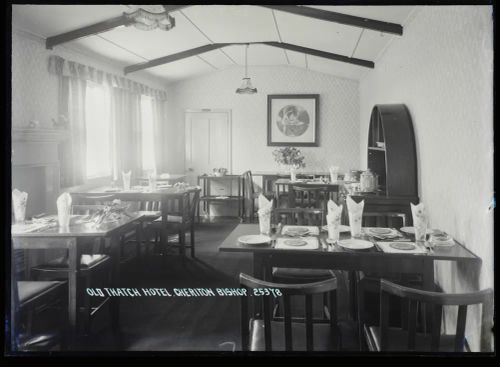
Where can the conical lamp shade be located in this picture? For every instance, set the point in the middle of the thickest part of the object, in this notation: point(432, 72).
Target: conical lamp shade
point(246, 87)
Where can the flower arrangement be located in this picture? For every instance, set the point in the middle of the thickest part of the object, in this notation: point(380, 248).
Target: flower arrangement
point(289, 156)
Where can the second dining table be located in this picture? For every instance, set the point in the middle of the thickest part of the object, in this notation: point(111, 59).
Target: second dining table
point(165, 195)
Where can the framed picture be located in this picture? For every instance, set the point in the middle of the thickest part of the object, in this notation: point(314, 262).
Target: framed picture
point(292, 119)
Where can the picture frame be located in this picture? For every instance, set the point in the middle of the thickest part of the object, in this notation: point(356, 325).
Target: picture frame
point(293, 120)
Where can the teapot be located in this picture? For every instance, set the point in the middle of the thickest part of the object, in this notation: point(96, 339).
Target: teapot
point(368, 181)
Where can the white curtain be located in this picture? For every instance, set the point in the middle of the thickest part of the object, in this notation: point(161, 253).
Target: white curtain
point(159, 119)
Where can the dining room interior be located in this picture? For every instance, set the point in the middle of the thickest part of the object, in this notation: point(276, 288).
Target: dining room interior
point(251, 178)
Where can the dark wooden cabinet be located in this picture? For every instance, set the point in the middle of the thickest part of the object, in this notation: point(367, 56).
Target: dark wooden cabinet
point(392, 156)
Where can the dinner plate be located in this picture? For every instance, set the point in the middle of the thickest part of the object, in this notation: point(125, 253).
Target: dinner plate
point(411, 230)
point(343, 228)
point(355, 244)
point(296, 231)
point(295, 242)
point(403, 246)
point(380, 230)
point(254, 239)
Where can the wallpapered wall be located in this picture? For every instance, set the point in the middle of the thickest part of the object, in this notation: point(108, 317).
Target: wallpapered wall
point(338, 114)
point(441, 68)
point(34, 90)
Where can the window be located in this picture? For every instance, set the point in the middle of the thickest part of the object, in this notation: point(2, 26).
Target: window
point(98, 129)
point(148, 152)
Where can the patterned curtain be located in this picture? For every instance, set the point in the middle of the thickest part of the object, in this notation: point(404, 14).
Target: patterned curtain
point(72, 152)
point(159, 116)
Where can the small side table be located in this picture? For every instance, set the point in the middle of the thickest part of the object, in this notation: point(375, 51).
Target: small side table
point(207, 198)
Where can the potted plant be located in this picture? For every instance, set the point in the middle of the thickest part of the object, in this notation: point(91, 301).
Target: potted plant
point(291, 158)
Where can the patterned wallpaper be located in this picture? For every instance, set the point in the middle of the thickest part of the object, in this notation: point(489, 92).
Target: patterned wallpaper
point(34, 90)
point(338, 112)
point(442, 70)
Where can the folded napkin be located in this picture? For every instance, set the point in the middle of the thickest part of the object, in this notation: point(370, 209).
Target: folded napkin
point(264, 212)
point(311, 243)
point(355, 211)
point(64, 209)
point(419, 219)
point(334, 173)
point(19, 202)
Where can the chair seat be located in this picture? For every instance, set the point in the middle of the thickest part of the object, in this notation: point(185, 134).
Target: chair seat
point(302, 275)
point(41, 342)
point(29, 290)
point(323, 336)
point(149, 214)
point(398, 340)
point(170, 219)
point(86, 262)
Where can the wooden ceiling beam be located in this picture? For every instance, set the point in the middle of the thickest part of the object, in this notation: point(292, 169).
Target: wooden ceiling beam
point(214, 46)
point(97, 28)
point(330, 16)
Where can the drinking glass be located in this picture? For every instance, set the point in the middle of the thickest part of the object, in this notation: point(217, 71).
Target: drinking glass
point(355, 224)
point(265, 223)
point(63, 218)
point(20, 211)
point(420, 231)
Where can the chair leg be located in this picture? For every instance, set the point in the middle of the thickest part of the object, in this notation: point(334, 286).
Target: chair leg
point(360, 293)
point(87, 306)
point(191, 237)
point(182, 242)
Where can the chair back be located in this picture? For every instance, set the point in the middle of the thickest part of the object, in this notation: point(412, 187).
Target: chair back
point(299, 216)
point(193, 197)
point(248, 189)
point(287, 291)
point(384, 219)
point(436, 300)
point(305, 195)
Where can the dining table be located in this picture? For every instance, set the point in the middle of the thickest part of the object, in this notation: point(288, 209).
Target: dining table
point(332, 256)
point(169, 197)
point(27, 236)
point(170, 178)
point(270, 177)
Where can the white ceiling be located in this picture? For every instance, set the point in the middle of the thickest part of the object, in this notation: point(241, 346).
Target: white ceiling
point(204, 24)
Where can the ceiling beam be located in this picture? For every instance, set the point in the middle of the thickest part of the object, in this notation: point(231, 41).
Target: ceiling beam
point(330, 16)
point(174, 57)
point(214, 46)
point(97, 28)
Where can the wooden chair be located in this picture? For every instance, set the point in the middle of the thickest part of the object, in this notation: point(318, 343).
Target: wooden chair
point(266, 334)
point(385, 338)
point(384, 219)
point(181, 221)
point(250, 193)
point(305, 195)
point(95, 271)
point(29, 297)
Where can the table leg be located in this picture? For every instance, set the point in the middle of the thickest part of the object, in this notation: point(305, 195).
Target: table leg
point(73, 269)
point(113, 243)
point(428, 285)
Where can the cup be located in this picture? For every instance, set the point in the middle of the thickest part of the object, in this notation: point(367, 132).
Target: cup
point(126, 181)
point(355, 224)
point(265, 223)
point(333, 231)
point(63, 217)
point(20, 211)
point(420, 231)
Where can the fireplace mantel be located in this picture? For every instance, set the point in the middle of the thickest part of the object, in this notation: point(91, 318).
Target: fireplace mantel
point(39, 135)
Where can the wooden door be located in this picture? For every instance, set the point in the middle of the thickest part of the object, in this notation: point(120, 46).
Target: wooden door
point(208, 142)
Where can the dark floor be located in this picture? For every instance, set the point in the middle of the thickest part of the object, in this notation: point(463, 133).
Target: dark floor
point(183, 323)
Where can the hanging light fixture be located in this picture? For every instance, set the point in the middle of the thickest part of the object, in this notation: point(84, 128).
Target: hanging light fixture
point(149, 17)
point(246, 85)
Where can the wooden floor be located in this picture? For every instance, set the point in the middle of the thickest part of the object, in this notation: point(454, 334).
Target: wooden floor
point(182, 323)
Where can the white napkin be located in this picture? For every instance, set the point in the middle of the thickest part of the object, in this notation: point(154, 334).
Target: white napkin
point(334, 173)
point(333, 208)
point(19, 201)
point(355, 211)
point(165, 176)
point(264, 212)
point(126, 180)
point(64, 209)
point(419, 218)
